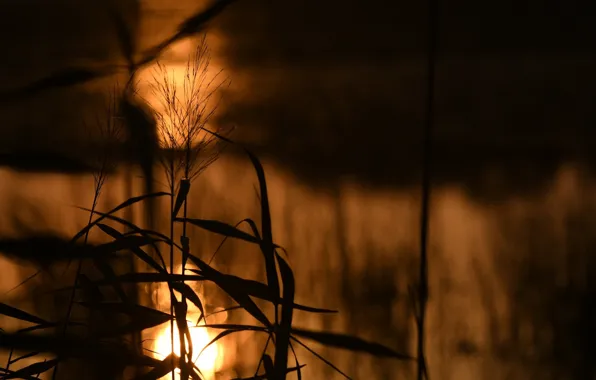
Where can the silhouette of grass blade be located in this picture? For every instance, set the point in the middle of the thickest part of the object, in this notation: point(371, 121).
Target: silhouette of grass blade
point(44, 250)
point(44, 162)
point(321, 358)
point(137, 278)
point(141, 317)
point(267, 246)
point(350, 343)
point(73, 347)
point(235, 327)
point(125, 36)
point(26, 356)
point(261, 291)
point(287, 312)
point(220, 228)
point(48, 326)
point(136, 250)
point(264, 377)
point(106, 270)
point(298, 366)
point(65, 78)
point(123, 243)
point(218, 337)
point(131, 310)
point(181, 197)
point(34, 369)
point(159, 371)
point(269, 367)
point(232, 285)
point(181, 310)
point(166, 366)
point(13, 312)
point(193, 25)
point(127, 203)
point(190, 295)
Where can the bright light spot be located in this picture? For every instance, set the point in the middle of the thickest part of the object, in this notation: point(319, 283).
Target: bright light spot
point(208, 362)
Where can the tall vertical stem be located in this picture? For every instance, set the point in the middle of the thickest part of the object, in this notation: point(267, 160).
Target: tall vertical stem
point(426, 186)
point(172, 190)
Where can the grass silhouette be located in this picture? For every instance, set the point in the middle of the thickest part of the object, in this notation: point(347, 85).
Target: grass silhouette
point(188, 147)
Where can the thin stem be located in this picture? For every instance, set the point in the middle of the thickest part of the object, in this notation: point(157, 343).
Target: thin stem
point(172, 190)
point(78, 273)
point(426, 186)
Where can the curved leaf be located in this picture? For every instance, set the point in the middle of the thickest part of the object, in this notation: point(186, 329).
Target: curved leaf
point(13, 312)
point(33, 369)
point(231, 286)
point(220, 228)
point(127, 203)
point(350, 343)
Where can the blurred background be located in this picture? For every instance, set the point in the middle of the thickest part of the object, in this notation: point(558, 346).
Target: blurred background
point(331, 96)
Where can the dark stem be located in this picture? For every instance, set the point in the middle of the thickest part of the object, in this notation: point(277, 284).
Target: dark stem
point(184, 253)
point(172, 190)
point(426, 186)
point(76, 281)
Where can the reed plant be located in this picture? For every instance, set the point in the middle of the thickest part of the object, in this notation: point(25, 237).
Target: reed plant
point(188, 146)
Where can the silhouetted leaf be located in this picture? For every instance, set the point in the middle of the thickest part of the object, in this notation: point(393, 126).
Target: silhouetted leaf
point(350, 343)
point(232, 288)
point(181, 309)
point(49, 325)
point(73, 347)
point(287, 312)
point(190, 294)
point(259, 290)
point(125, 36)
point(269, 367)
point(136, 250)
point(142, 317)
point(166, 366)
point(233, 326)
point(136, 278)
point(123, 243)
point(33, 369)
point(127, 203)
point(65, 78)
point(267, 246)
point(220, 228)
point(44, 250)
point(298, 366)
point(13, 312)
point(102, 265)
point(44, 162)
point(218, 337)
point(321, 358)
point(192, 25)
point(26, 356)
point(181, 197)
point(264, 377)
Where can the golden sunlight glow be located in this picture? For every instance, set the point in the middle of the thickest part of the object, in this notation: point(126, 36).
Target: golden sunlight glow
point(209, 361)
point(172, 79)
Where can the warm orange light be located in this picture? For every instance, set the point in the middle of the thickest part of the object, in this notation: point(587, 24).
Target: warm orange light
point(209, 361)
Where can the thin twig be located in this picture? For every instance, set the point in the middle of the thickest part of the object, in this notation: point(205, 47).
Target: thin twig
point(426, 186)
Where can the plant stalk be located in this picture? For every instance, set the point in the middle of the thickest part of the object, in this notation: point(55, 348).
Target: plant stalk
point(426, 188)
